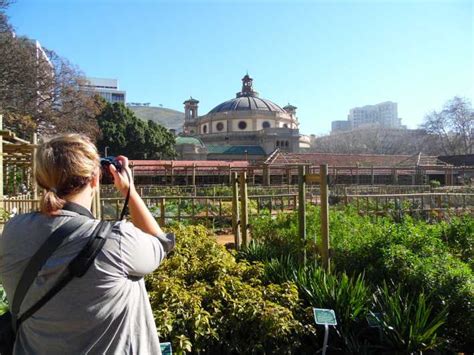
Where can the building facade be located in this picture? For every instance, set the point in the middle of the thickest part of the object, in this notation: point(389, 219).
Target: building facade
point(383, 115)
point(106, 88)
point(247, 121)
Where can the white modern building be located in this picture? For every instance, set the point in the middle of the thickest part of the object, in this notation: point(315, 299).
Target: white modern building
point(384, 115)
point(106, 88)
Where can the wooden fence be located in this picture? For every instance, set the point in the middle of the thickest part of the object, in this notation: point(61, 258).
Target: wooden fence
point(412, 203)
point(181, 208)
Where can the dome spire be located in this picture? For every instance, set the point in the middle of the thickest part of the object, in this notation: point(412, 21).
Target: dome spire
point(247, 87)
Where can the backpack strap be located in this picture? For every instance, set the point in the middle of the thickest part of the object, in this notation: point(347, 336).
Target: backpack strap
point(76, 268)
point(38, 260)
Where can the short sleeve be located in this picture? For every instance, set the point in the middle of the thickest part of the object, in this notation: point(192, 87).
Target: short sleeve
point(141, 252)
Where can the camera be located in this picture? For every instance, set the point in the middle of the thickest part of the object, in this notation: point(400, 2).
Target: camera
point(104, 165)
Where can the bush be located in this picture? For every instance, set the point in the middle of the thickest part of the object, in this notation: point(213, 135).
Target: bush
point(217, 305)
point(407, 321)
point(434, 259)
point(3, 301)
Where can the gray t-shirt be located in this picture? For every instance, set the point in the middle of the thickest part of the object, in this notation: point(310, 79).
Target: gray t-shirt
point(107, 311)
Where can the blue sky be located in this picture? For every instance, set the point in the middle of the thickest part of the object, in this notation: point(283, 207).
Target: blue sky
point(324, 57)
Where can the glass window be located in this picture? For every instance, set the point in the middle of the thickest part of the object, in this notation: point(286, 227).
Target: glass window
point(219, 126)
point(242, 125)
point(266, 124)
point(204, 129)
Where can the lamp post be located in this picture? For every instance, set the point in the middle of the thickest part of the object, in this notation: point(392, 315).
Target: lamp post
point(105, 151)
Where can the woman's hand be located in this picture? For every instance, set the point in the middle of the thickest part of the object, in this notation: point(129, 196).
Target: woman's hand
point(122, 180)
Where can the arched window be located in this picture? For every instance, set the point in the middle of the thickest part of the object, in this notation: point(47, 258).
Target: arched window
point(285, 125)
point(278, 143)
point(266, 124)
point(204, 129)
point(286, 144)
point(242, 125)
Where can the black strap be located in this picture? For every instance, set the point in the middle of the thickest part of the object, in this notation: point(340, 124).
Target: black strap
point(76, 268)
point(125, 205)
point(39, 259)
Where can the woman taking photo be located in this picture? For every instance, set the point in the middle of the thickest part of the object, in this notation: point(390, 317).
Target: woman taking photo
point(107, 310)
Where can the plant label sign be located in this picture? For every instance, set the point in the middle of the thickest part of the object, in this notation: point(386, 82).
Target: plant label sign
point(313, 178)
point(374, 320)
point(166, 349)
point(324, 316)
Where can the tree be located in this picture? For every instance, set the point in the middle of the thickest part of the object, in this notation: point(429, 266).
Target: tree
point(122, 133)
point(377, 140)
point(41, 87)
point(4, 24)
point(454, 126)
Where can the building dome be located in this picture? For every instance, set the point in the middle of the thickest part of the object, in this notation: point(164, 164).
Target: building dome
point(189, 140)
point(244, 120)
point(247, 100)
point(247, 103)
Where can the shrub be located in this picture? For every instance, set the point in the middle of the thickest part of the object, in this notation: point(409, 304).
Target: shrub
point(3, 301)
point(202, 295)
point(434, 259)
point(407, 321)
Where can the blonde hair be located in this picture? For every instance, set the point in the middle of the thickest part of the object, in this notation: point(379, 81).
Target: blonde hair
point(64, 166)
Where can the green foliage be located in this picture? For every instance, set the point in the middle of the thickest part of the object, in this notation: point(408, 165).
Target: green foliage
point(126, 134)
point(415, 254)
point(3, 301)
point(459, 237)
point(407, 321)
point(220, 305)
point(279, 233)
point(434, 259)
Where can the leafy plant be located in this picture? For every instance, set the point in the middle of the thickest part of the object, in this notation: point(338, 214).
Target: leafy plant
point(407, 321)
point(220, 305)
point(3, 301)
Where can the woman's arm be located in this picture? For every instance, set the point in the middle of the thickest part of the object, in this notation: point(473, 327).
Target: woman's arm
point(141, 217)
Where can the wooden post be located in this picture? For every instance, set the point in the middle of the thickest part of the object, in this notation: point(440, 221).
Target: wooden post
point(235, 210)
point(395, 176)
point(244, 208)
point(302, 208)
point(96, 206)
point(266, 175)
point(357, 174)
point(324, 218)
point(162, 212)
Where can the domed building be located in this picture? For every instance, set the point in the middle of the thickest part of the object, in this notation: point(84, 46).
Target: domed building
point(246, 127)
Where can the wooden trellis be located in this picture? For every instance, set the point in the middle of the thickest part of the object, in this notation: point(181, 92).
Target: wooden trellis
point(17, 159)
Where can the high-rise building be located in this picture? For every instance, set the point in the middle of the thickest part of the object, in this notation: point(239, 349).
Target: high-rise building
point(384, 114)
point(106, 88)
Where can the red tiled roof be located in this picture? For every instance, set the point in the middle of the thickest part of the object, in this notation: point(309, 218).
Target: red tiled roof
point(367, 160)
point(154, 165)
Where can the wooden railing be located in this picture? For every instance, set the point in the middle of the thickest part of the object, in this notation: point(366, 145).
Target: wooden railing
point(411, 203)
point(179, 208)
